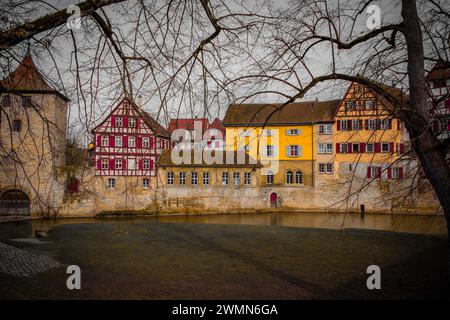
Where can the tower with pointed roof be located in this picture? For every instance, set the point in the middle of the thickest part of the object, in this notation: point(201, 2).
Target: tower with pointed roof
point(33, 117)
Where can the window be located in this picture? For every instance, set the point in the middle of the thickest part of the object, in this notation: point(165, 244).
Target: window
point(194, 178)
point(146, 164)
point(293, 132)
point(118, 122)
point(205, 178)
point(329, 168)
point(355, 147)
point(118, 140)
point(131, 164)
point(105, 141)
point(145, 183)
point(396, 173)
point(236, 178)
point(269, 132)
point(182, 178)
point(131, 142)
point(270, 150)
point(104, 164)
point(6, 102)
point(321, 167)
point(269, 177)
point(111, 183)
point(344, 148)
point(17, 125)
point(370, 147)
point(145, 142)
point(293, 151)
point(370, 105)
point(118, 164)
point(298, 177)
point(247, 178)
point(343, 125)
point(325, 129)
point(225, 178)
point(170, 177)
point(325, 148)
point(372, 124)
point(373, 172)
point(131, 122)
point(355, 124)
point(289, 177)
point(385, 147)
point(26, 102)
point(385, 124)
point(351, 105)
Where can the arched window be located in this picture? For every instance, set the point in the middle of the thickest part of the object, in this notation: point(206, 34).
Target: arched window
point(298, 177)
point(289, 177)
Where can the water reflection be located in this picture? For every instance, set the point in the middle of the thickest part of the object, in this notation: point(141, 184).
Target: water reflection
point(430, 225)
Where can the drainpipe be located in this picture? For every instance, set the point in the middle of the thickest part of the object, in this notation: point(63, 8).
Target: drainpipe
point(312, 155)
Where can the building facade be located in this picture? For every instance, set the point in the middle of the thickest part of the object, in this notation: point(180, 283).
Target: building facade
point(32, 142)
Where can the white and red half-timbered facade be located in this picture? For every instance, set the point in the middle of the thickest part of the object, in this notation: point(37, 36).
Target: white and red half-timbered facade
point(128, 142)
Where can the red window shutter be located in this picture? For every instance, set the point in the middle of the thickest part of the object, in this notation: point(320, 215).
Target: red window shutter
point(350, 147)
point(125, 141)
point(389, 124)
point(366, 124)
point(111, 164)
point(391, 147)
point(124, 164)
point(377, 147)
point(138, 122)
point(389, 173)
point(400, 173)
point(140, 164)
point(378, 172)
point(111, 141)
point(152, 165)
point(99, 164)
point(139, 142)
point(399, 124)
point(113, 121)
point(362, 147)
point(125, 122)
point(360, 124)
point(338, 148)
point(151, 142)
point(338, 123)
point(99, 140)
point(369, 172)
point(349, 124)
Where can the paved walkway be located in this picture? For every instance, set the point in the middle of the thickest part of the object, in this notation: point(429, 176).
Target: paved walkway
point(21, 263)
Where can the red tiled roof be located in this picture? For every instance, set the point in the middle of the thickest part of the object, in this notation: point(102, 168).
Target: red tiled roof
point(27, 79)
point(218, 125)
point(187, 124)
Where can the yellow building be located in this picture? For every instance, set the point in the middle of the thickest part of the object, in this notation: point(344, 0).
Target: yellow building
point(283, 138)
point(368, 137)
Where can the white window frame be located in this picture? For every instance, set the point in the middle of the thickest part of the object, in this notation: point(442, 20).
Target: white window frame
point(132, 122)
point(146, 183)
point(111, 183)
point(269, 132)
point(291, 151)
point(194, 178)
point(170, 177)
point(105, 164)
point(236, 178)
point(247, 178)
point(355, 124)
point(346, 147)
point(383, 144)
point(118, 164)
point(329, 168)
point(145, 142)
point(358, 146)
point(205, 179)
point(146, 164)
point(225, 178)
point(321, 167)
point(343, 125)
point(270, 150)
point(182, 178)
point(372, 124)
point(131, 142)
point(293, 132)
point(118, 123)
point(367, 148)
point(270, 178)
point(104, 141)
point(395, 174)
point(118, 141)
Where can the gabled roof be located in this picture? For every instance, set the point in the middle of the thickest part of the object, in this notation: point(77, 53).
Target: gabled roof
point(165, 160)
point(26, 78)
point(441, 70)
point(154, 125)
point(270, 113)
point(187, 124)
point(217, 124)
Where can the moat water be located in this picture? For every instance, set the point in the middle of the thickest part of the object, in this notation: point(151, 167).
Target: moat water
point(416, 224)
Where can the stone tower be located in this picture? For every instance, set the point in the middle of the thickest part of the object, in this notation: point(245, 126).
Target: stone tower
point(33, 118)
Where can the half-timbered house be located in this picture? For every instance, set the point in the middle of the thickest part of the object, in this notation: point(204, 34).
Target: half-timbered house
point(128, 142)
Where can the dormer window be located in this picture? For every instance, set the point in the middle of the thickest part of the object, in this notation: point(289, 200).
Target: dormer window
point(131, 122)
point(119, 122)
